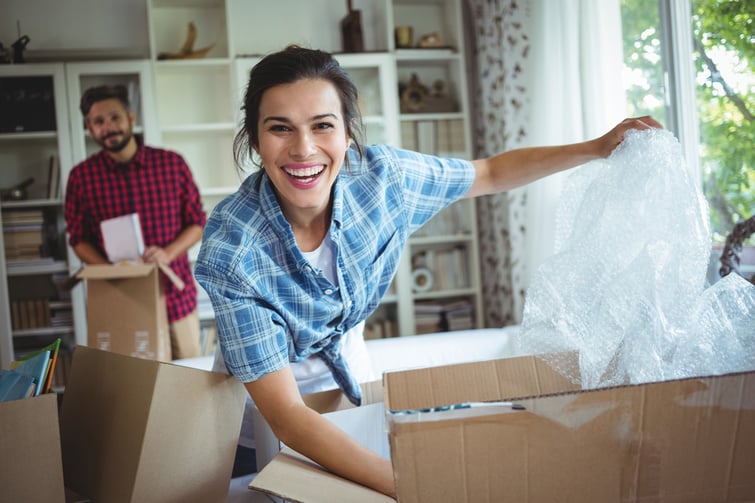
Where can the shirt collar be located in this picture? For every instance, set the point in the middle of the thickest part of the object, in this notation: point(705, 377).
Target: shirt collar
point(269, 204)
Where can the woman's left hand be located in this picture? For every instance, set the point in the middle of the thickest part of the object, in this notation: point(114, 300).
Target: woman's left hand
point(611, 139)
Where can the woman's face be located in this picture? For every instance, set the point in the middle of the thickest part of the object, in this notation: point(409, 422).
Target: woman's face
point(302, 143)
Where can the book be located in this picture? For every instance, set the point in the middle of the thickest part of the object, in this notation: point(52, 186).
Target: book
point(14, 386)
point(123, 238)
point(52, 349)
point(35, 366)
point(53, 179)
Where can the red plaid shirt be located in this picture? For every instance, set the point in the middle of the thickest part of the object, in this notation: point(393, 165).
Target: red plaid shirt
point(158, 185)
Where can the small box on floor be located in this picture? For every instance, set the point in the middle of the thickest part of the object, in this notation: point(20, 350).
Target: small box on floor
point(126, 311)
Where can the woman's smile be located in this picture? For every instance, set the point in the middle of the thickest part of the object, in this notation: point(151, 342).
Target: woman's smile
point(304, 173)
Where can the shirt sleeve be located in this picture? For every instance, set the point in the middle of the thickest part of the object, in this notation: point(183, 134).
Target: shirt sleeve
point(430, 183)
point(73, 210)
point(193, 213)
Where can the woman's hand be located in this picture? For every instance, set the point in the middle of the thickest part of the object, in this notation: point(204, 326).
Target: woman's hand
point(277, 397)
point(611, 139)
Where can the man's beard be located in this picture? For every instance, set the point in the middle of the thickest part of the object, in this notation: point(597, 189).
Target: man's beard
point(118, 146)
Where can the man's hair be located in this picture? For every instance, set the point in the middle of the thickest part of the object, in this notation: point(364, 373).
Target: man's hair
point(105, 92)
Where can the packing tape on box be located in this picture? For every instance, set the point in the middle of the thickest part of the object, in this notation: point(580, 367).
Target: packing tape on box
point(422, 280)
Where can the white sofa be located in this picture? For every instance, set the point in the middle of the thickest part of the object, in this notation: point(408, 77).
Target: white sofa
point(402, 353)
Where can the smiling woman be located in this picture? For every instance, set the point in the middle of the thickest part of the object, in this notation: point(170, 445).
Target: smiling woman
point(304, 251)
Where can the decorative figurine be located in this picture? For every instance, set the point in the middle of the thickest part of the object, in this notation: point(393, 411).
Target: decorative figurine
point(351, 30)
point(187, 50)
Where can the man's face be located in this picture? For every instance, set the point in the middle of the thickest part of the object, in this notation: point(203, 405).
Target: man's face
point(110, 124)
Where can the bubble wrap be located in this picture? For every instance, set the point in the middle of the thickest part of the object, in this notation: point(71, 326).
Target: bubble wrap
point(626, 287)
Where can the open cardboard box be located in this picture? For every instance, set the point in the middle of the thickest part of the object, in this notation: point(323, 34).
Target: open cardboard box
point(126, 311)
point(136, 430)
point(30, 461)
point(690, 440)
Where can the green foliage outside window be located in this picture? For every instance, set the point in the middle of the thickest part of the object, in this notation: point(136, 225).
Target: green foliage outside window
point(724, 56)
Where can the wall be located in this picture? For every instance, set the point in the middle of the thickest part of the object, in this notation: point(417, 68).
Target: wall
point(76, 29)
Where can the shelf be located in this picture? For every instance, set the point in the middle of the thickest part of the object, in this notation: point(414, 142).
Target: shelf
point(219, 127)
point(29, 269)
point(429, 54)
point(444, 294)
point(389, 298)
point(42, 332)
point(186, 3)
point(191, 63)
point(29, 135)
point(32, 203)
point(448, 239)
point(444, 116)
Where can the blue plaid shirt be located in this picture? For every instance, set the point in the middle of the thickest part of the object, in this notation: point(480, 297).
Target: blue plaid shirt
point(271, 307)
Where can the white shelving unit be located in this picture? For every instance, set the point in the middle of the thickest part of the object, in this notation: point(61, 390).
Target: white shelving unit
point(437, 121)
point(26, 152)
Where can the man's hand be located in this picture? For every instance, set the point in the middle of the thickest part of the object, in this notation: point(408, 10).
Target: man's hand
point(157, 255)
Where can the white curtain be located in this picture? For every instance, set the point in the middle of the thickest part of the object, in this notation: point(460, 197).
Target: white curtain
point(576, 93)
point(543, 72)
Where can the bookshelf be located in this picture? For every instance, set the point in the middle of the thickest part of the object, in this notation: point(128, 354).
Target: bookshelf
point(34, 144)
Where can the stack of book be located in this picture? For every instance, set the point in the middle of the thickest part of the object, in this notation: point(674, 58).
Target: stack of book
point(23, 234)
point(31, 313)
point(380, 329)
point(430, 317)
point(31, 375)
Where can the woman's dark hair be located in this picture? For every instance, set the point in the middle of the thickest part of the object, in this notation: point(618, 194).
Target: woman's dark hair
point(290, 65)
point(99, 93)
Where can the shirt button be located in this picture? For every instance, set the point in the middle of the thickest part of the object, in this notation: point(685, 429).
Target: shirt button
point(328, 291)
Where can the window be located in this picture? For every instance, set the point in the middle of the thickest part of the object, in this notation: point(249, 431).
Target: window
point(690, 63)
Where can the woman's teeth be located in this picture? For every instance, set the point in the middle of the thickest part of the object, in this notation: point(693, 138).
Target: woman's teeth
point(305, 173)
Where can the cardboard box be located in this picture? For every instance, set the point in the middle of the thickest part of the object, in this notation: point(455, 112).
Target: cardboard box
point(690, 440)
point(126, 311)
point(30, 462)
point(136, 430)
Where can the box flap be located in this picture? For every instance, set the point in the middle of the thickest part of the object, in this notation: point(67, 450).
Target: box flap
point(124, 270)
point(173, 277)
point(142, 430)
point(492, 380)
point(298, 479)
point(115, 271)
